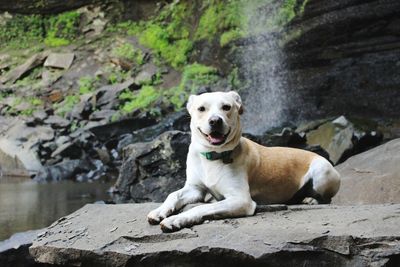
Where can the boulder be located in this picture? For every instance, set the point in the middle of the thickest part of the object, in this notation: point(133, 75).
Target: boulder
point(65, 170)
point(152, 170)
point(59, 60)
point(147, 74)
point(107, 96)
point(29, 64)
point(15, 250)
point(335, 137)
point(322, 235)
point(19, 148)
point(179, 121)
point(371, 177)
point(115, 129)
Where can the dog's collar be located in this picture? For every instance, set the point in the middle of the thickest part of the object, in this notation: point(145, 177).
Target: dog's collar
point(226, 156)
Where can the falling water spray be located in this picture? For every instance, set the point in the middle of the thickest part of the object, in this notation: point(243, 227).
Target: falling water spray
point(262, 66)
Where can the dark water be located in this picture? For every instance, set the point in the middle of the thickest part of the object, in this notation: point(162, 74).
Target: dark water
point(26, 205)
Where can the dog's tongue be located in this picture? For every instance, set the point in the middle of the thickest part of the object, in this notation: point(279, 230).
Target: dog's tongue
point(216, 138)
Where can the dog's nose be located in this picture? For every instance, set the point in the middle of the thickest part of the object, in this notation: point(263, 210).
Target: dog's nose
point(215, 121)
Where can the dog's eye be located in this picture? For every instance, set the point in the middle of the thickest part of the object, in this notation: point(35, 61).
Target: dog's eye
point(226, 107)
point(201, 109)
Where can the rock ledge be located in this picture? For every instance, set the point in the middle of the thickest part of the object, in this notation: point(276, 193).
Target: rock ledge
point(119, 235)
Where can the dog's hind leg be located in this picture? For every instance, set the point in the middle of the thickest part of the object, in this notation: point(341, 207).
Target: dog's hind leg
point(175, 201)
point(325, 181)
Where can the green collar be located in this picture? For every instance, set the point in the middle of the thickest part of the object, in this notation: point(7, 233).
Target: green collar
point(225, 156)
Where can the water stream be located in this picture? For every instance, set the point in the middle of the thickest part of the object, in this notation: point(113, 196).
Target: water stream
point(27, 205)
point(262, 64)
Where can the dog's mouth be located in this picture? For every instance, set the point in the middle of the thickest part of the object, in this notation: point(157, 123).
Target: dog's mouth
point(215, 138)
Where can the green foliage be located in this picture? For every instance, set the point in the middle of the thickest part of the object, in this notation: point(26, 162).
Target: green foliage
point(27, 110)
point(143, 99)
point(303, 7)
point(21, 31)
point(223, 18)
point(230, 36)
point(285, 14)
point(62, 28)
point(86, 84)
point(233, 79)
point(193, 76)
point(175, 52)
point(127, 51)
point(166, 34)
point(66, 105)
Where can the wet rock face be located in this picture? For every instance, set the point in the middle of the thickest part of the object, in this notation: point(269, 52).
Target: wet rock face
point(119, 235)
point(346, 59)
point(152, 170)
point(339, 57)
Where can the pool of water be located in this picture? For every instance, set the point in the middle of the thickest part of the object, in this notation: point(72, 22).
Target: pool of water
point(27, 205)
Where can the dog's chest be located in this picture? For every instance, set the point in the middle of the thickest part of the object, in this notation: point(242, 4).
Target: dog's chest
point(213, 176)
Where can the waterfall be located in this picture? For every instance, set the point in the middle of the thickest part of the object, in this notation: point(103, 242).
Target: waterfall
point(262, 66)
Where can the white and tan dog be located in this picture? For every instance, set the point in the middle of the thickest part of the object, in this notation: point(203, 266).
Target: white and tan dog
point(238, 172)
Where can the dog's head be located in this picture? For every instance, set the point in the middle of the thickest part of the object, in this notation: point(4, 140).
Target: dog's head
point(215, 117)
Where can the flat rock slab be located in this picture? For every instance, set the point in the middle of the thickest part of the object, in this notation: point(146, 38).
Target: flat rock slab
point(59, 60)
point(119, 235)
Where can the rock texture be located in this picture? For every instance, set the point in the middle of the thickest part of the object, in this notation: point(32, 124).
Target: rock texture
point(119, 235)
point(337, 57)
point(152, 170)
point(371, 177)
point(40, 6)
point(14, 251)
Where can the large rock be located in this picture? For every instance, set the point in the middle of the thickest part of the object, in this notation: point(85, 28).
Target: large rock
point(22, 69)
point(19, 147)
point(371, 177)
point(152, 170)
point(59, 60)
point(14, 251)
point(335, 137)
point(119, 235)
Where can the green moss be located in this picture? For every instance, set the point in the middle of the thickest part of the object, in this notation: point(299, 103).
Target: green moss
point(62, 28)
point(167, 34)
point(303, 7)
point(66, 105)
point(229, 36)
point(21, 31)
point(193, 76)
point(32, 104)
point(222, 19)
point(143, 99)
point(86, 84)
point(55, 42)
point(128, 52)
point(175, 52)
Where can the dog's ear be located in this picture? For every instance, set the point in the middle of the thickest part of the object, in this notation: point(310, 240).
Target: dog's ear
point(190, 102)
point(238, 101)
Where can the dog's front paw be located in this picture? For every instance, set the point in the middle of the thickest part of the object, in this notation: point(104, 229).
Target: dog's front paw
point(174, 223)
point(159, 214)
point(155, 216)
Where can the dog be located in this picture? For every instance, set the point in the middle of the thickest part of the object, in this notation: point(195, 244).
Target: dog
point(238, 172)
